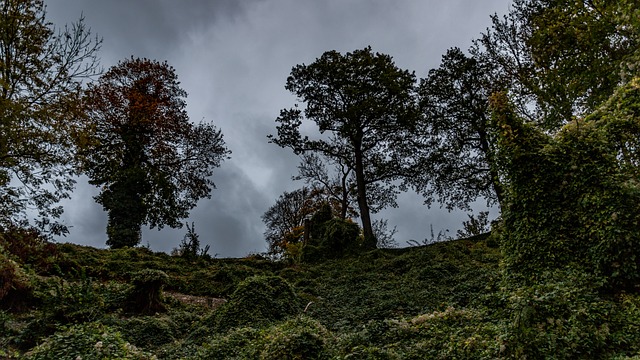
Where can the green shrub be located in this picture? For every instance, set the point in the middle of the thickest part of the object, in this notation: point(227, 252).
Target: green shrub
point(448, 334)
point(562, 316)
point(146, 297)
point(317, 223)
point(239, 343)
point(340, 238)
point(15, 287)
point(90, 341)
point(148, 331)
point(573, 198)
point(298, 338)
point(71, 301)
point(258, 301)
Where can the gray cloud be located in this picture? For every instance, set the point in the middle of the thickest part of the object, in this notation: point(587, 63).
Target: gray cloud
point(233, 58)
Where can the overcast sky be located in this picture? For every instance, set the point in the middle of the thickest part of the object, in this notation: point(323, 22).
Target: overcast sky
point(233, 58)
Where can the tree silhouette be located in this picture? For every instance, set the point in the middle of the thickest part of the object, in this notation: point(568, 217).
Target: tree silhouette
point(151, 163)
point(367, 107)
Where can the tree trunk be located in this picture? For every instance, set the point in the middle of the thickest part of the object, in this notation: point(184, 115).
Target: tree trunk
point(344, 201)
point(493, 173)
point(369, 239)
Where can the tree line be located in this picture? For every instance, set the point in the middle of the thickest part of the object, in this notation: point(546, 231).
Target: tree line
point(384, 131)
point(379, 129)
point(126, 129)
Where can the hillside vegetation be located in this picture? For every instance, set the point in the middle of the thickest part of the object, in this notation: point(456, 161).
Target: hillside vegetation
point(445, 300)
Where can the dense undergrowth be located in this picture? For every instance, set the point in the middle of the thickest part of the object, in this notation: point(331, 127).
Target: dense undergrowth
point(442, 301)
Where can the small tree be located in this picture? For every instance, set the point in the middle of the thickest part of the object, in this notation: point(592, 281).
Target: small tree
point(152, 164)
point(190, 246)
point(285, 219)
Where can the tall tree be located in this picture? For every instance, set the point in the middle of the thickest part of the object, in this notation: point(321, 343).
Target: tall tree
point(41, 74)
point(457, 164)
point(151, 163)
point(565, 56)
point(368, 109)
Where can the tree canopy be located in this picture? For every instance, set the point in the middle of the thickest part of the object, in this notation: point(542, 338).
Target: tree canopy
point(564, 57)
point(455, 142)
point(41, 73)
point(365, 109)
point(573, 198)
point(151, 163)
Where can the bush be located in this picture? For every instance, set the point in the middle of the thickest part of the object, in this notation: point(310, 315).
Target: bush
point(15, 287)
point(29, 247)
point(148, 331)
point(89, 341)
point(256, 302)
point(449, 334)
point(340, 238)
point(146, 296)
point(298, 338)
point(240, 343)
point(573, 198)
point(72, 301)
point(562, 316)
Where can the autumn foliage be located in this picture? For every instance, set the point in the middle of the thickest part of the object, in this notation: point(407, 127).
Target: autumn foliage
point(151, 163)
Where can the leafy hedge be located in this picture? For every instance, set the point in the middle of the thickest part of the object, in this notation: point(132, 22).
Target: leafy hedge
point(573, 198)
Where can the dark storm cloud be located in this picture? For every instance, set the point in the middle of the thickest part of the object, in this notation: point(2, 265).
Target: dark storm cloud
point(233, 58)
point(144, 28)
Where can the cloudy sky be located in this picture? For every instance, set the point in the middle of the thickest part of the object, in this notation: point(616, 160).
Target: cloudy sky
point(233, 58)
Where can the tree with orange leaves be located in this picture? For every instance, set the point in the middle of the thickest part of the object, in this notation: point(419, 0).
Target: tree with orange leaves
point(151, 163)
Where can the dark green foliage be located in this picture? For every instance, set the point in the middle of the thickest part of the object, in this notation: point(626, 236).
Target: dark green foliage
point(330, 237)
point(573, 198)
point(15, 286)
point(297, 338)
point(448, 334)
point(340, 238)
point(317, 223)
point(562, 315)
point(148, 331)
point(29, 247)
point(91, 341)
point(146, 296)
point(151, 163)
point(238, 344)
point(444, 300)
point(67, 302)
point(256, 302)
point(347, 293)
point(366, 106)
